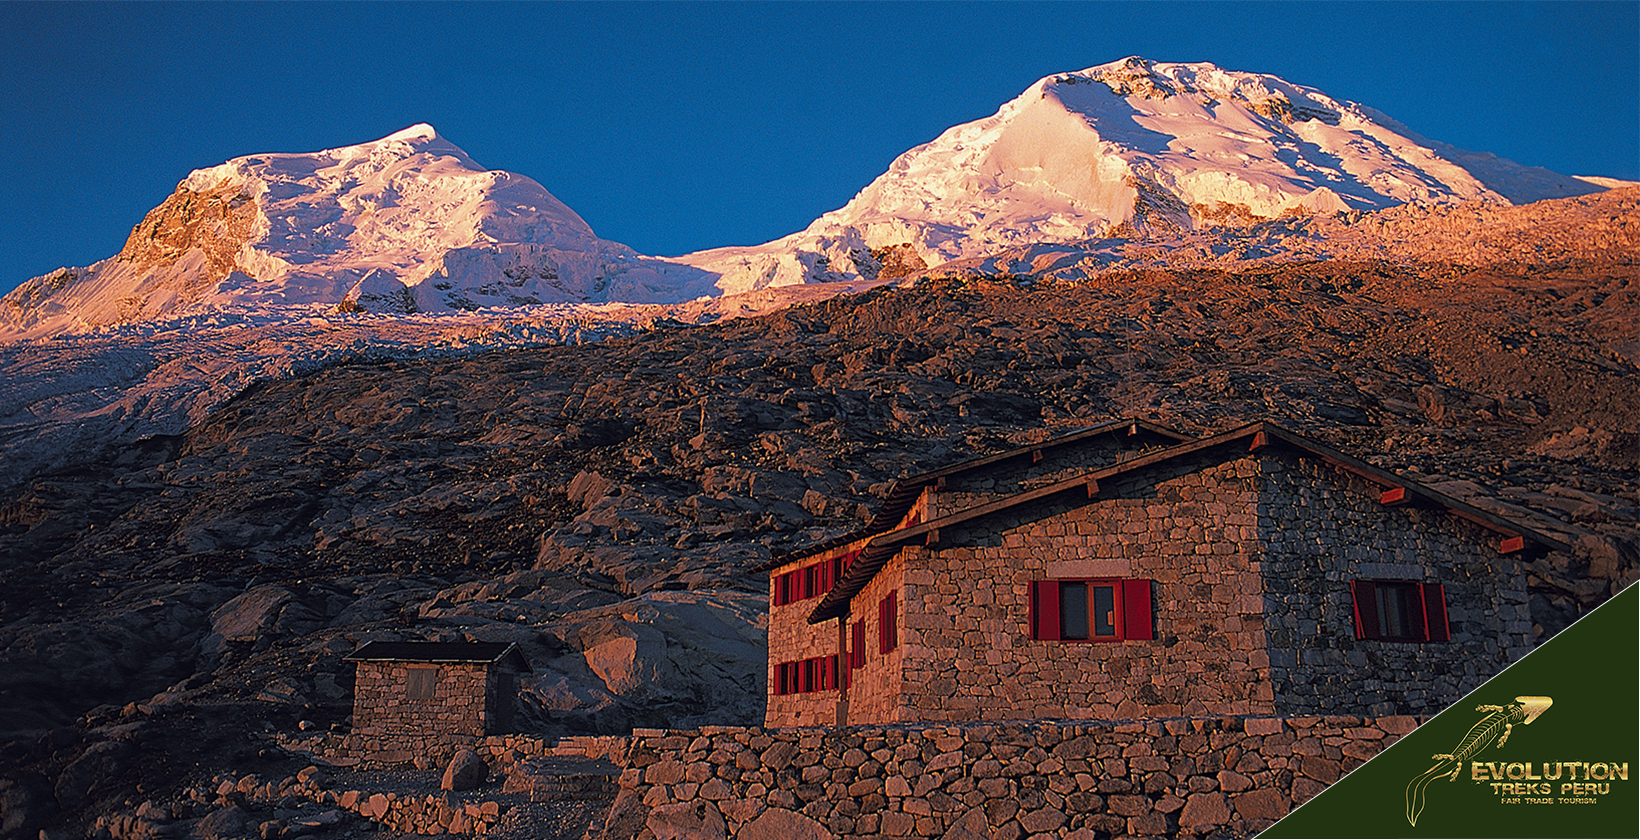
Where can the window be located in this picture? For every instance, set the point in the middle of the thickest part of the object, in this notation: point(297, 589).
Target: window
point(1399, 610)
point(888, 631)
point(810, 581)
point(419, 683)
point(1095, 610)
point(801, 676)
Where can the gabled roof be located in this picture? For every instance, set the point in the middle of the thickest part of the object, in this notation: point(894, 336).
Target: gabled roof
point(470, 653)
point(1397, 490)
point(904, 493)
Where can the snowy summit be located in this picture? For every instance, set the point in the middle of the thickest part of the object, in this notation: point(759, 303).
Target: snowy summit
point(407, 223)
point(1132, 149)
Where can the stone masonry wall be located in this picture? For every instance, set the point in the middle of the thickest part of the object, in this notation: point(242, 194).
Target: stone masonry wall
point(968, 648)
point(875, 693)
point(1227, 777)
point(791, 637)
point(389, 728)
point(1320, 528)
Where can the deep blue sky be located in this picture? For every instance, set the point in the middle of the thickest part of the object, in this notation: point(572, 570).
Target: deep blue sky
point(675, 127)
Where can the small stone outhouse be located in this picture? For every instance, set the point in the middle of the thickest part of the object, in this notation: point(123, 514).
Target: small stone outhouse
point(415, 699)
point(1128, 572)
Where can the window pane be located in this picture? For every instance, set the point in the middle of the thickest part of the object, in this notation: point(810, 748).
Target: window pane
point(419, 683)
point(1104, 611)
point(1073, 610)
point(1395, 610)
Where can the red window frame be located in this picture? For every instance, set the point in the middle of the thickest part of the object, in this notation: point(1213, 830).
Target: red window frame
point(1418, 607)
point(1132, 609)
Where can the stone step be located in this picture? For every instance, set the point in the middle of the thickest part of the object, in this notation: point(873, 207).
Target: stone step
point(559, 779)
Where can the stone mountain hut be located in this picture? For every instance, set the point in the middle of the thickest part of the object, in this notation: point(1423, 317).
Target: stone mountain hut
point(1127, 571)
point(429, 698)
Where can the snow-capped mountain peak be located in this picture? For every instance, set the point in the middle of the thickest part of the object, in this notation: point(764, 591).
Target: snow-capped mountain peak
point(1133, 148)
point(406, 223)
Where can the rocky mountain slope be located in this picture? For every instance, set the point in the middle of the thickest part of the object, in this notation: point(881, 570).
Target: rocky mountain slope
point(72, 396)
point(174, 606)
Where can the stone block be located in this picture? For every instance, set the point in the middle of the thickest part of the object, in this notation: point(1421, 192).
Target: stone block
point(1204, 810)
point(687, 821)
point(1147, 825)
point(1128, 805)
point(1262, 804)
point(1041, 820)
point(1262, 726)
point(896, 824)
point(1304, 789)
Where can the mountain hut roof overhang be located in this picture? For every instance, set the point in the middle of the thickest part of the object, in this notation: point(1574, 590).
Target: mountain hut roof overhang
point(905, 492)
point(1397, 490)
point(465, 653)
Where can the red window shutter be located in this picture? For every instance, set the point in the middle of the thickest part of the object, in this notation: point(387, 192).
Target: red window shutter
point(887, 632)
point(1435, 613)
point(1364, 593)
point(1416, 617)
point(893, 620)
point(1136, 610)
point(1045, 609)
point(858, 660)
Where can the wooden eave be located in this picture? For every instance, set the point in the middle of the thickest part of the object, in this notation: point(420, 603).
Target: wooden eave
point(884, 546)
point(905, 492)
point(462, 653)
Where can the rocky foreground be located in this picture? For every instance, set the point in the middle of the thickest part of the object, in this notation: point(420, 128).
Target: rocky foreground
point(174, 609)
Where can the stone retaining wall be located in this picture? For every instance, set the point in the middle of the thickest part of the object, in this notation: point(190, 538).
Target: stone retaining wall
point(1175, 777)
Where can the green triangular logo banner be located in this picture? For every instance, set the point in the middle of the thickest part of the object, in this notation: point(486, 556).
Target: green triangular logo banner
point(1568, 765)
